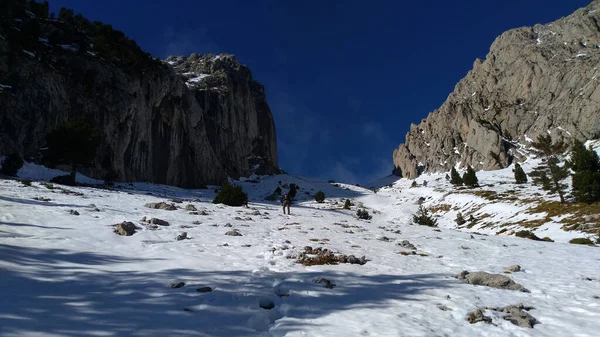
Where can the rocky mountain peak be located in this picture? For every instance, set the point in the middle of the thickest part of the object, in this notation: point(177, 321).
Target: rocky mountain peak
point(534, 80)
point(187, 121)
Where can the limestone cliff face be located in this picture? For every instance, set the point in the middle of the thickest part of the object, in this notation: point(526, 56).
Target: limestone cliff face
point(534, 80)
point(154, 124)
point(238, 121)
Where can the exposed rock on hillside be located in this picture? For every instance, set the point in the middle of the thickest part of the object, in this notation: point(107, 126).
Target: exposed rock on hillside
point(534, 80)
point(156, 124)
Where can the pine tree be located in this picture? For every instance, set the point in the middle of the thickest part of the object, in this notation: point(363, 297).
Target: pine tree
point(423, 218)
point(520, 176)
point(455, 178)
point(549, 174)
point(319, 196)
point(470, 178)
point(586, 178)
point(231, 195)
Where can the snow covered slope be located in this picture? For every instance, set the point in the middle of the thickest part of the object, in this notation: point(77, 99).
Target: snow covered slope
point(64, 274)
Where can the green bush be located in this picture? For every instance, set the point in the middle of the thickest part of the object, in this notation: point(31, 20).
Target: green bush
point(26, 182)
point(11, 165)
point(364, 214)
point(423, 218)
point(347, 204)
point(581, 241)
point(520, 176)
point(231, 195)
point(319, 196)
point(414, 184)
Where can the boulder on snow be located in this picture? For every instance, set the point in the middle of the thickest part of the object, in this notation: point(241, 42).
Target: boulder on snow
point(177, 284)
point(266, 303)
point(125, 228)
point(478, 316)
point(516, 314)
point(234, 232)
point(406, 244)
point(204, 289)
point(491, 280)
point(325, 282)
point(512, 269)
point(190, 208)
point(161, 205)
point(159, 222)
point(181, 236)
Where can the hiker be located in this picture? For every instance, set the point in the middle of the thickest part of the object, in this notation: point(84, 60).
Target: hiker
point(286, 200)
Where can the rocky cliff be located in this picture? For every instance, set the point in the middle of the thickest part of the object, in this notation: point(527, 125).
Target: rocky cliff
point(534, 80)
point(156, 124)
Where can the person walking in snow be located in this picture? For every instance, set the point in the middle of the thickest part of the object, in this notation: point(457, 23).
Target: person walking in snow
point(286, 200)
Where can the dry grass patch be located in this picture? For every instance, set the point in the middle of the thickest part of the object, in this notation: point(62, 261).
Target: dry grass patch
point(577, 215)
point(489, 195)
point(440, 208)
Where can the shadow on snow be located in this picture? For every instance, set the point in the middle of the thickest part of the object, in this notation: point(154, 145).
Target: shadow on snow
point(80, 294)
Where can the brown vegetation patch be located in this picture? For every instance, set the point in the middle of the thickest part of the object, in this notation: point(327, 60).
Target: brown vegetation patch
point(577, 215)
point(440, 208)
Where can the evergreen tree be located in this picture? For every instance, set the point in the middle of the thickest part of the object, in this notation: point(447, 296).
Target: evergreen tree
point(520, 176)
point(470, 178)
point(549, 174)
point(319, 196)
point(586, 177)
point(423, 218)
point(455, 178)
point(74, 143)
point(231, 195)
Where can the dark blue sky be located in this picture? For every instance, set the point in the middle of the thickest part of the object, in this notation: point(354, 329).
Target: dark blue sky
point(344, 78)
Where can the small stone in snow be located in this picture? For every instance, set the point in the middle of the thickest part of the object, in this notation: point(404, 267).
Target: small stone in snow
point(204, 289)
point(234, 232)
point(266, 304)
point(513, 269)
point(177, 285)
point(325, 283)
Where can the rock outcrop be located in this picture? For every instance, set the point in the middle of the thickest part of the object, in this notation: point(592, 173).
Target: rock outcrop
point(498, 281)
point(534, 80)
point(156, 124)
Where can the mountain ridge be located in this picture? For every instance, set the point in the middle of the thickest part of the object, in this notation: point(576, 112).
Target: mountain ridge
point(533, 80)
point(153, 126)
